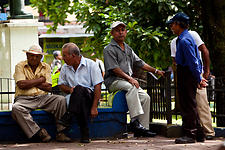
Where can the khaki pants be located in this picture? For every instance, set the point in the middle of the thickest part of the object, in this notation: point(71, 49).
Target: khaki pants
point(202, 107)
point(23, 105)
point(204, 112)
point(138, 100)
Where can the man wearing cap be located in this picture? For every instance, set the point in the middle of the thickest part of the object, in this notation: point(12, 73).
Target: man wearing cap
point(189, 70)
point(33, 82)
point(201, 94)
point(119, 60)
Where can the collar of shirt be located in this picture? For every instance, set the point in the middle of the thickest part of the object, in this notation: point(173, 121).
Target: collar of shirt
point(114, 43)
point(182, 34)
point(82, 62)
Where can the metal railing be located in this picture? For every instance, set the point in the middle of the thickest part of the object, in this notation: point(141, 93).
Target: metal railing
point(7, 91)
point(163, 90)
point(160, 92)
point(216, 98)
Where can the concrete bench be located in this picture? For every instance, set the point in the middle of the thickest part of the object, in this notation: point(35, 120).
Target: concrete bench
point(110, 123)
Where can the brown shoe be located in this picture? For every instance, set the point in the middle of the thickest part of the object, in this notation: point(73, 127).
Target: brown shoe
point(44, 136)
point(61, 137)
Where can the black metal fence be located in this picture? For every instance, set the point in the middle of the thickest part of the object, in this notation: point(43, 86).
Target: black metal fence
point(7, 91)
point(216, 98)
point(159, 89)
point(163, 94)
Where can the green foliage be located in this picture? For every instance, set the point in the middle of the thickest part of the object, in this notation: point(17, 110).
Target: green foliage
point(148, 34)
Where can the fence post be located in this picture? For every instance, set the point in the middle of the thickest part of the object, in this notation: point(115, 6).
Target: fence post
point(167, 85)
point(220, 100)
point(149, 91)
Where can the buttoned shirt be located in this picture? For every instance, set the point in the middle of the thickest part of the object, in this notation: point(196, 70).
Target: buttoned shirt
point(87, 75)
point(187, 54)
point(115, 57)
point(24, 72)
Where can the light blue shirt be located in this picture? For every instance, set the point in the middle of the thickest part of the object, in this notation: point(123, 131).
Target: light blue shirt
point(87, 75)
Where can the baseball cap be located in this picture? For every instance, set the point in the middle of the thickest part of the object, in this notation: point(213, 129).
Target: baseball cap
point(115, 24)
point(179, 17)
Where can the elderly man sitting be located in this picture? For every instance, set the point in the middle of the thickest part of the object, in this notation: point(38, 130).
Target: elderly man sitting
point(33, 82)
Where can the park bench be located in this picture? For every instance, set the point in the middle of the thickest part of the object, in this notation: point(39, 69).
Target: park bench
point(110, 123)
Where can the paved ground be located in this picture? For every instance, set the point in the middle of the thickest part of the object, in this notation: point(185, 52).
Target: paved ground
point(131, 143)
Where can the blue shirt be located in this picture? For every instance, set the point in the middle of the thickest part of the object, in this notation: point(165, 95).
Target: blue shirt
point(87, 75)
point(187, 54)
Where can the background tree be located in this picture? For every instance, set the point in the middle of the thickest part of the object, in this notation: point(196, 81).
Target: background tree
point(148, 34)
point(145, 23)
point(213, 20)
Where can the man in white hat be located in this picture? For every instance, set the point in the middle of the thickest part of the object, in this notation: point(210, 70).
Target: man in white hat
point(119, 60)
point(33, 82)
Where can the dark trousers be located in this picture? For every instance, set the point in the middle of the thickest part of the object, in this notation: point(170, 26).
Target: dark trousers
point(80, 104)
point(187, 86)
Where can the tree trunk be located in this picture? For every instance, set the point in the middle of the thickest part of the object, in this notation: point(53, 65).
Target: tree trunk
point(213, 19)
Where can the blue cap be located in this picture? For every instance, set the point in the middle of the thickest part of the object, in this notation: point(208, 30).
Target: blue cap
point(179, 17)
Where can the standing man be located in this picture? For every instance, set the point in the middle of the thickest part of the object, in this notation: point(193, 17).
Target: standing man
point(201, 94)
point(81, 79)
point(56, 63)
point(119, 60)
point(189, 70)
point(33, 82)
point(55, 72)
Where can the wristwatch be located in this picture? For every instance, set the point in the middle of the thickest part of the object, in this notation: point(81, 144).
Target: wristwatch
point(156, 70)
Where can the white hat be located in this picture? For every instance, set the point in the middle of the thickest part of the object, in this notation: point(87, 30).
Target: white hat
point(35, 49)
point(115, 24)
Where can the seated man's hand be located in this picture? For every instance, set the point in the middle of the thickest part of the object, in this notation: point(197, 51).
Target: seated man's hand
point(43, 79)
point(161, 73)
point(71, 89)
point(133, 82)
point(94, 112)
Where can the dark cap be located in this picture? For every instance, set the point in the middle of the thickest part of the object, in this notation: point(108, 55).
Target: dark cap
point(179, 17)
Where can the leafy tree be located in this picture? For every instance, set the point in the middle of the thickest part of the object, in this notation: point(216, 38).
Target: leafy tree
point(148, 34)
point(213, 18)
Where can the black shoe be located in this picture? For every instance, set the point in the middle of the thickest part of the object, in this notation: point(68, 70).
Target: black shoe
point(85, 141)
point(66, 119)
point(209, 137)
point(139, 130)
point(84, 135)
point(184, 140)
point(200, 135)
point(144, 134)
point(200, 139)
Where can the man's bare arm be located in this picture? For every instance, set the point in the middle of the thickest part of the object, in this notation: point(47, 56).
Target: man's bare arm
point(45, 87)
point(148, 68)
point(206, 60)
point(97, 96)
point(66, 89)
point(27, 84)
